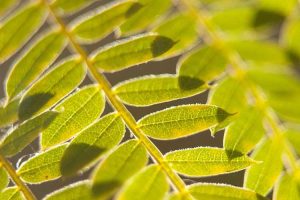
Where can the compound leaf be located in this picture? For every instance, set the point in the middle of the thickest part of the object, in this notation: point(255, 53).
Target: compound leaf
point(4, 179)
point(149, 90)
point(11, 193)
point(150, 183)
point(52, 87)
point(132, 51)
point(118, 167)
point(9, 113)
point(16, 30)
point(206, 161)
point(92, 142)
point(77, 111)
point(22, 136)
point(43, 167)
point(181, 121)
point(97, 26)
point(34, 62)
point(287, 188)
point(66, 6)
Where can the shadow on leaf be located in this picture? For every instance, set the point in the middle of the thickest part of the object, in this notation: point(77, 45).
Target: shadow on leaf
point(105, 189)
point(133, 9)
point(231, 154)
point(189, 83)
point(161, 45)
point(265, 17)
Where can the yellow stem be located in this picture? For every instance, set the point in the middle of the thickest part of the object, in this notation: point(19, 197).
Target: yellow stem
point(176, 181)
point(16, 179)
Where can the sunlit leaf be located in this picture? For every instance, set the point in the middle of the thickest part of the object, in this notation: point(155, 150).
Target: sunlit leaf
point(287, 188)
point(52, 87)
point(4, 180)
point(43, 167)
point(245, 132)
point(181, 29)
point(262, 177)
point(148, 14)
point(181, 121)
point(155, 185)
point(281, 7)
point(80, 190)
point(97, 26)
point(34, 62)
point(118, 167)
point(204, 64)
point(206, 161)
point(67, 6)
point(149, 90)
point(77, 111)
point(132, 51)
point(11, 193)
point(23, 135)
point(9, 113)
point(293, 136)
point(92, 142)
point(290, 35)
point(16, 30)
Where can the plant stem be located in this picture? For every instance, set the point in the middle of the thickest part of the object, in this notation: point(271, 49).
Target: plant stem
point(239, 67)
point(176, 181)
point(16, 179)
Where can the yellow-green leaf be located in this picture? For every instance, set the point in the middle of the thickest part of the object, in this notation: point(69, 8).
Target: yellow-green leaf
point(132, 51)
point(119, 166)
point(290, 35)
point(287, 188)
point(34, 62)
point(11, 193)
point(293, 136)
point(180, 28)
point(52, 87)
point(67, 6)
point(97, 26)
point(181, 121)
point(147, 15)
point(5, 6)
point(282, 7)
point(9, 113)
point(43, 167)
point(4, 180)
point(245, 132)
point(262, 177)
point(150, 183)
point(92, 143)
point(79, 190)
point(149, 90)
point(206, 64)
point(23, 135)
point(206, 161)
point(77, 111)
point(16, 30)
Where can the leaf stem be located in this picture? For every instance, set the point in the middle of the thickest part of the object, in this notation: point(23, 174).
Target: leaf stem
point(239, 67)
point(16, 179)
point(176, 181)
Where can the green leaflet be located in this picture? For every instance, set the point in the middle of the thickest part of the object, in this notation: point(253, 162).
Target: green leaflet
point(92, 142)
point(287, 188)
point(26, 133)
point(222, 192)
point(15, 31)
point(293, 136)
point(34, 62)
point(206, 161)
point(147, 15)
point(5, 6)
point(205, 64)
point(98, 26)
point(67, 6)
point(150, 183)
point(281, 7)
point(118, 167)
point(245, 132)
point(52, 87)
point(229, 94)
point(261, 52)
point(290, 37)
point(9, 113)
point(4, 180)
point(149, 90)
point(180, 28)
point(77, 111)
point(261, 178)
point(181, 121)
point(80, 190)
point(12, 193)
point(132, 51)
point(43, 167)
